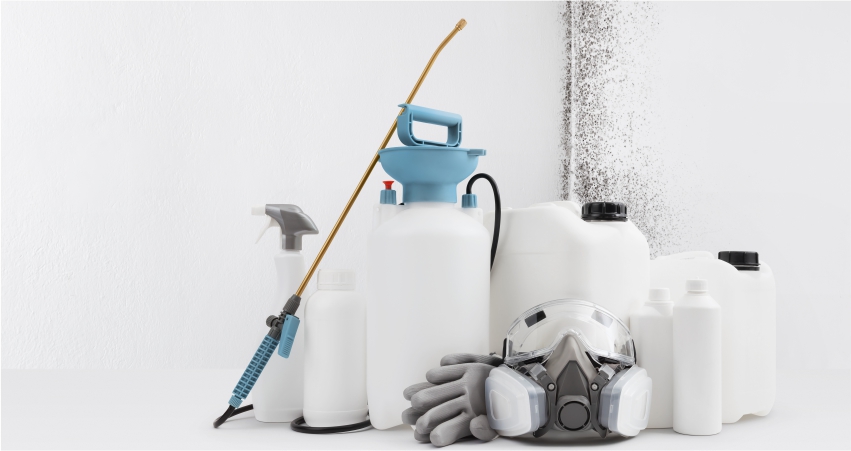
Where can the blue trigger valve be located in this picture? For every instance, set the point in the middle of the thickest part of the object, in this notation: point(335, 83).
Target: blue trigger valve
point(288, 332)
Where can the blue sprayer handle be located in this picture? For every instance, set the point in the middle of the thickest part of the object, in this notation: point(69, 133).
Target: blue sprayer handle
point(261, 358)
point(413, 113)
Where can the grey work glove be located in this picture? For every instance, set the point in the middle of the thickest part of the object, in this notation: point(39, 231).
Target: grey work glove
point(451, 405)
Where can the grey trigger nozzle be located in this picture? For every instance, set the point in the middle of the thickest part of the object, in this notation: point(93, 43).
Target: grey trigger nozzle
point(292, 222)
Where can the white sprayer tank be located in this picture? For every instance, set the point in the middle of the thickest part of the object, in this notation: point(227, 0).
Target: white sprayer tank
point(548, 251)
point(428, 268)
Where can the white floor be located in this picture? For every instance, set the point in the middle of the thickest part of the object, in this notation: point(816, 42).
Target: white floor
point(66, 409)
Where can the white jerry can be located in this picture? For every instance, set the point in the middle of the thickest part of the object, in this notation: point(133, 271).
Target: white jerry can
point(557, 250)
point(744, 288)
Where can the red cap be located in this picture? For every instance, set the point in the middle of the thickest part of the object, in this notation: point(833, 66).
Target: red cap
point(388, 184)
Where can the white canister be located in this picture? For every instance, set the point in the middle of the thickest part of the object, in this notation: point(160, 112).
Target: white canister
point(335, 352)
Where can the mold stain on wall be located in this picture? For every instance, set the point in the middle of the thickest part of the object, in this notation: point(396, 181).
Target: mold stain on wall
point(610, 137)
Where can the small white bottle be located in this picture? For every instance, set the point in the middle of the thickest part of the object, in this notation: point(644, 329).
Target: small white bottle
point(697, 361)
point(652, 329)
point(335, 352)
point(277, 396)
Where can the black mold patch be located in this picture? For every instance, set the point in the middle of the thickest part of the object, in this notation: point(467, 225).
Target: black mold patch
point(609, 130)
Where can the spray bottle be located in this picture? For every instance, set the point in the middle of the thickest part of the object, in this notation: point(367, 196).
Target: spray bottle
point(278, 395)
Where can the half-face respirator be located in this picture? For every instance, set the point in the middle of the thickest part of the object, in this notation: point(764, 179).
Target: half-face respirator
point(569, 365)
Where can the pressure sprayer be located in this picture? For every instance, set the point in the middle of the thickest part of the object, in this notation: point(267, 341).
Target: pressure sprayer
point(283, 327)
point(427, 257)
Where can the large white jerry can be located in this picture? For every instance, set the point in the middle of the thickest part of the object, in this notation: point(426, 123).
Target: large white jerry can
point(548, 251)
point(429, 270)
point(747, 296)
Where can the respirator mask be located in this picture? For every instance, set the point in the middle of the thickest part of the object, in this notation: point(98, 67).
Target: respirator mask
point(569, 365)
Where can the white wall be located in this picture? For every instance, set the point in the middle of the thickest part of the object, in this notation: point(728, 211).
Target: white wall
point(137, 135)
point(755, 101)
point(726, 126)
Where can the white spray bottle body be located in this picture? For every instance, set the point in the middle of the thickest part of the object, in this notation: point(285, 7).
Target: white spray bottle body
point(279, 392)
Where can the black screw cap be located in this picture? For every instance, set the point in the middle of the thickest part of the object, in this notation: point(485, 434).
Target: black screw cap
point(604, 211)
point(741, 260)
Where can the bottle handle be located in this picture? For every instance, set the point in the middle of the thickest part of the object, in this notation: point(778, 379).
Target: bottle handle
point(413, 113)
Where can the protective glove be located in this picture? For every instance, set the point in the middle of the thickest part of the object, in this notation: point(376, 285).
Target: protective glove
point(451, 405)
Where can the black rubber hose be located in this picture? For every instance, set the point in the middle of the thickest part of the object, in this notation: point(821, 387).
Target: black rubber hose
point(299, 425)
point(231, 412)
point(497, 214)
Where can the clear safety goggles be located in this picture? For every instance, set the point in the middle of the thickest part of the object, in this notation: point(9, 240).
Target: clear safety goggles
point(537, 332)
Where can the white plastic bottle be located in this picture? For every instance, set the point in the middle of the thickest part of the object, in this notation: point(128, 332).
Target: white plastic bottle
point(559, 250)
point(278, 393)
point(652, 330)
point(335, 352)
point(697, 361)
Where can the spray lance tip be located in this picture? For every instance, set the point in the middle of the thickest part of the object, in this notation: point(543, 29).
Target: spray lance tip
point(461, 24)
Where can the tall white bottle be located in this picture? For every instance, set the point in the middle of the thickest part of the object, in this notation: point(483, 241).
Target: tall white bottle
point(278, 394)
point(697, 361)
point(652, 330)
point(335, 352)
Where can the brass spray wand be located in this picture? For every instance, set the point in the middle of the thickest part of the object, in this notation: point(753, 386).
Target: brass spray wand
point(286, 324)
point(458, 27)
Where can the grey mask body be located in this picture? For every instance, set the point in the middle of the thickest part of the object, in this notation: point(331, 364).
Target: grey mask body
point(569, 350)
point(575, 402)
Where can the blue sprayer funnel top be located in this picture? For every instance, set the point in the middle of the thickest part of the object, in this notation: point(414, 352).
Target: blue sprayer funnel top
point(429, 171)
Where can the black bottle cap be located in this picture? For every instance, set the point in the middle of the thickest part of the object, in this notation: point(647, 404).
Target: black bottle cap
point(604, 211)
point(742, 260)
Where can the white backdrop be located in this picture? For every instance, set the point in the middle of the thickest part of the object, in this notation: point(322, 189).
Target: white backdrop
point(136, 137)
point(755, 107)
